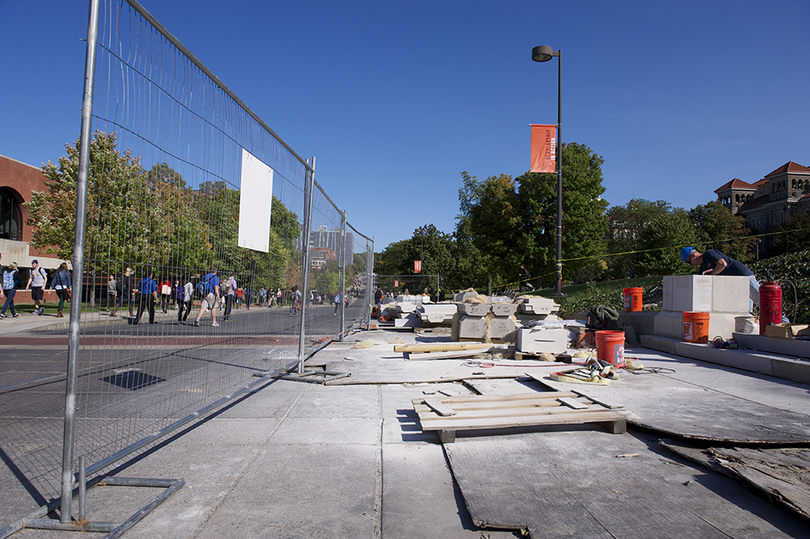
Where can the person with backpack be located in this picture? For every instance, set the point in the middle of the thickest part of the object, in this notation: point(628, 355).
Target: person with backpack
point(61, 283)
point(147, 295)
point(10, 283)
point(183, 296)
point(211, 298)
point(36, 283)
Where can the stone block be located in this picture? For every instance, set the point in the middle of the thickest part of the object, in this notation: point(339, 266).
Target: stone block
point(537, 341)
point(472, 327)
point(669, 324)
point(688, 293)
point(437, 313)
point(474, 309)
point(538, 305)
point(504, 309)
point(502, 328)
point(643, 322)
point(463, 296)
point(706, 293)
point(412, 320)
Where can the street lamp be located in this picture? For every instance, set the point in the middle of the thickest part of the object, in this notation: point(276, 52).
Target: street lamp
point(544, 53)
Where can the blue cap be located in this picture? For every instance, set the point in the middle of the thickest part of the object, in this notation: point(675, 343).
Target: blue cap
point(685, 252)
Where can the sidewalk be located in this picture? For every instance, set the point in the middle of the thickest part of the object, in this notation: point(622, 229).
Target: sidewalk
point(296, 459)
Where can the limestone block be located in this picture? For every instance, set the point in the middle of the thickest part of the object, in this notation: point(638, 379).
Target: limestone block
point(502, 328)
point(474, 309)
point(730, 294)
point(472, 327)
point(537, 341)
point(406, 306)
point(463, 296)
point(538, 305)
point(706, 293)
point(412, 320)
point(688, 293)
point(504, 309)
point(437, 313)
point(669, 324)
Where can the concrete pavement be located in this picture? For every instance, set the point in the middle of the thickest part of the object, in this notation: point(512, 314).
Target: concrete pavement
point(296, 459)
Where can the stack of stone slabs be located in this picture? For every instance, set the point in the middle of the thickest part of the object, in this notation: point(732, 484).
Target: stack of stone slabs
point(493, 319)
point(542, 331)
point(725, 298)
point(437, 314)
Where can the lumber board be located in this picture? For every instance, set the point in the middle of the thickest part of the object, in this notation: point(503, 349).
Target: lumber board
point(481, 412)
point(572, 403)
point(450, 354)
point(440, 347)
point(439, 407)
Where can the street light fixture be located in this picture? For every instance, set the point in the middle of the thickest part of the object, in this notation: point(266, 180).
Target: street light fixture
point(544, 53)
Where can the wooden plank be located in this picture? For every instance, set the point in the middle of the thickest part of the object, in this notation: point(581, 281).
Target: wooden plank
point(452, 354)
point(551, 395)
point(458, 424)
point(440, 347)
point(573, 403)
point(439, 407)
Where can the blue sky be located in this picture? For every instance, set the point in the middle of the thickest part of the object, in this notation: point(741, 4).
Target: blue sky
point(395, 99)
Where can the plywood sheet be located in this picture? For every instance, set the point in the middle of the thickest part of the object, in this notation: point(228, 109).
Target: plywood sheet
point(696, 411)
point(588, 484)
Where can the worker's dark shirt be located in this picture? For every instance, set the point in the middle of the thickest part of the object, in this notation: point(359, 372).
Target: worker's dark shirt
point(712, 256)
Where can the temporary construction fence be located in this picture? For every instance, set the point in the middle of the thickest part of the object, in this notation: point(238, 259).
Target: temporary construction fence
point(180, 186)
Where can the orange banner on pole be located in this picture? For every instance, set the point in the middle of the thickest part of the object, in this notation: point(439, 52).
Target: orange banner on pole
point(417, 266)
point(544, 148)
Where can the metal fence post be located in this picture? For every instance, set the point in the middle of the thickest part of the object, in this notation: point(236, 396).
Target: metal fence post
point(309, 189)
point(370, 272)
point(78, 263)
point(342, 275)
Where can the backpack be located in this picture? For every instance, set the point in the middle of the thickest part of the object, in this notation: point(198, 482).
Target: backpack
point(224, 287)
point(180, 293)
point(9, 279)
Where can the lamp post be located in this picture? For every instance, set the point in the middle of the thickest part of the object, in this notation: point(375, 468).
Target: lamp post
point(544, 53)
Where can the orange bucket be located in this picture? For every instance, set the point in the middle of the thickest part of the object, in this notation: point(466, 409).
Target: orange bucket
point(695, 327)
point(632, 298)
point(610, 347)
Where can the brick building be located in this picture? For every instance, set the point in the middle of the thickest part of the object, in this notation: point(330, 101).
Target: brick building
point(17, 181)
point(767, 203)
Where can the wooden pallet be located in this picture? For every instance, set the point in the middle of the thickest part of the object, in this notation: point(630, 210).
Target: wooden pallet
point(480, 412)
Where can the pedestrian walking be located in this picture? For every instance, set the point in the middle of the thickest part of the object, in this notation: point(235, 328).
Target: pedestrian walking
point(112, 291)
point(229, 291)
point(123, 290)
point(210, 300)
point(61, 283)
point(183, 294)
point(147, 295)
point(36, 283)
point(10, 285)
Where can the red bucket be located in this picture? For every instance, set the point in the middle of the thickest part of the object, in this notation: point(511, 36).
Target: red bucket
point(695, 326)
point(632, 298)
point(610, 347)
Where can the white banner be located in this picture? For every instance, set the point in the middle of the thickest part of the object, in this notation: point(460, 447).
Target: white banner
point(255, 201)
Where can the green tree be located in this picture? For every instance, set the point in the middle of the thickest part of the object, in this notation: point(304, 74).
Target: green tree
point(626, 224)
point(793, 236)
point(720, 229)
point(661, 242)
point(118, 205)
point(514, 221)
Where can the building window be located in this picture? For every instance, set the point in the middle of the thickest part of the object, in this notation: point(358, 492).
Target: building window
point(10, 216)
